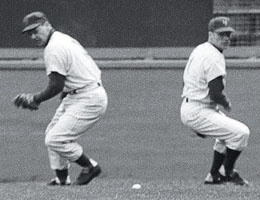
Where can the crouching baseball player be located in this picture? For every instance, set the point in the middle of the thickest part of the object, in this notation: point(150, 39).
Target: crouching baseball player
point(204, 82)
point(74, 74)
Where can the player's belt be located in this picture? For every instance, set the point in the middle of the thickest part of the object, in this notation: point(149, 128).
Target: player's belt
point(76, 91)
point(191, 100)
point(187, 99)
point(211, 104)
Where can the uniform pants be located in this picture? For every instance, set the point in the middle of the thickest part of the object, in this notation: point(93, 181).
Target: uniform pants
point(208, 120)
point(76, 114)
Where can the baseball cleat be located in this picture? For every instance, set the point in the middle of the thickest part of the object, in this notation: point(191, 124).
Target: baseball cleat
point(235, 178)
point(56, 181)
point(86, 175)
point(214, 179)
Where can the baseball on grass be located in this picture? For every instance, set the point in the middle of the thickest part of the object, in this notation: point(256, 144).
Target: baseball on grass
point(136, 186)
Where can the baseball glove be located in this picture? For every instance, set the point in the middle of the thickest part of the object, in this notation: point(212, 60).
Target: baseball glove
point(25, 101)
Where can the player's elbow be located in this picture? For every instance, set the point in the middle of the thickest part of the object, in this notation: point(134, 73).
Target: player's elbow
point(56, 82)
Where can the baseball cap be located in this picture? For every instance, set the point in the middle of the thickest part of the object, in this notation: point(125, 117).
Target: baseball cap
point(33, 20)
point(220, 24)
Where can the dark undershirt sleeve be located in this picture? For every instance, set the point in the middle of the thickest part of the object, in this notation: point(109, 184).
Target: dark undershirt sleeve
point(216, 94)
point(54, 87)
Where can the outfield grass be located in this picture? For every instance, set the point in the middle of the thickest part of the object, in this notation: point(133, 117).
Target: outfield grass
point(140, 140)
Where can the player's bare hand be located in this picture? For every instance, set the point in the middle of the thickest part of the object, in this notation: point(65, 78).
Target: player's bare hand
point(26, 101)
point(228, 107)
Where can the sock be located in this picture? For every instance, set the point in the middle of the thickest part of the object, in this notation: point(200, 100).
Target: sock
point(62, 174)
point(84, 161)
point(218, 159)
point(230, 159)
point(93, 162)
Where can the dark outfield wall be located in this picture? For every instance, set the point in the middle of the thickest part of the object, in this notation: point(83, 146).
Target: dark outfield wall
point(113, 23)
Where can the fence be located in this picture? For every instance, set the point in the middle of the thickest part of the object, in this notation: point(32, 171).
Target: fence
point(245, 15)
point(113, 23)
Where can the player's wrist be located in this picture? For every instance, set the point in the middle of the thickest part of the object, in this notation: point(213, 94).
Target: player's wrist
point(226, 102)
point(227, 106)
point(36, 98)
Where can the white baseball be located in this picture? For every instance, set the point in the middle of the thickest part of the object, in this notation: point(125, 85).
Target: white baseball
point(136, 186)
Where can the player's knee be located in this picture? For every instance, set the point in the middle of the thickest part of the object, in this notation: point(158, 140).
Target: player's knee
point(243, 137)
point(245, 132)
point(49, 141)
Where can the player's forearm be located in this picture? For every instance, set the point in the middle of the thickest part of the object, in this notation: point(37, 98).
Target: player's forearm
point(220, 99)
point(54, 87)
point(48, 93)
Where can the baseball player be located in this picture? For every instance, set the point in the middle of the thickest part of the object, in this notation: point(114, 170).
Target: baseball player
point(204, 81)
point(74, 74)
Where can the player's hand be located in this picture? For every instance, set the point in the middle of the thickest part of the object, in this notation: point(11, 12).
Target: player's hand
point(63, 95)
point(228, 107)
point(26, 101)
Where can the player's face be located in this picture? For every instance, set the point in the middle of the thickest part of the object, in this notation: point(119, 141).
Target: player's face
point(40, 34)
point(220, 40)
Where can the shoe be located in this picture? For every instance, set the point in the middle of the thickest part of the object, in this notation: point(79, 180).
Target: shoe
point(215, 179)
point(235, 178)
point(86, 175)
point(56, 181)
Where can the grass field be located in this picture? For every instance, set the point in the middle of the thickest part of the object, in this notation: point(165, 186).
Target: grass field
point(140, 140)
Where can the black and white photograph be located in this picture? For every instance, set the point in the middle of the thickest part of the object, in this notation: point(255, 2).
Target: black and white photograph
point(130, 100)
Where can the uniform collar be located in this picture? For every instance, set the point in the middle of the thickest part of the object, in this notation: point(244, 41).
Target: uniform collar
point(49, 36)
point(220, 50)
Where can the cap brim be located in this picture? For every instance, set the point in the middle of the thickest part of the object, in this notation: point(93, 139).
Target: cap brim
point(30, 27)
point(224, 29)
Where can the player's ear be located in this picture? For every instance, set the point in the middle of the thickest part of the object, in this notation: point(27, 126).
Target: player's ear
point(210, 36)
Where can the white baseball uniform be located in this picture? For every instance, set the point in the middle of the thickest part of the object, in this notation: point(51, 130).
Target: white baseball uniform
point(198, 111)
point(81, 108)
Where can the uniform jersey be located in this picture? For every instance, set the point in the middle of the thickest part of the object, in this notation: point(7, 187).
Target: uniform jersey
point(66, 56)
point(205, 63)
point(79, 110)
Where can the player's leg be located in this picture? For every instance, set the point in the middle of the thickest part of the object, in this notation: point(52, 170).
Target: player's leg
point(61, 168)
point(231, 134)
point(78, 118)
point(90, 170)
point(92, 112)
point(228, 166)
point(63, 146)
point(215, 177)
point(190, 116)
point(57, 163)
point(232, 137)
point(218, 156)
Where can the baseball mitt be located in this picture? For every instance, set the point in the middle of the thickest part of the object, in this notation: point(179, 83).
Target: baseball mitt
point(25, 101)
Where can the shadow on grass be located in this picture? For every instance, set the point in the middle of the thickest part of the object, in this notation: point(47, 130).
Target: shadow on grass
point(19, 179)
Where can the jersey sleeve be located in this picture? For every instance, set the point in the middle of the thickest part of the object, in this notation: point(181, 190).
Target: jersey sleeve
point(215, 69)
point(55, 61)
